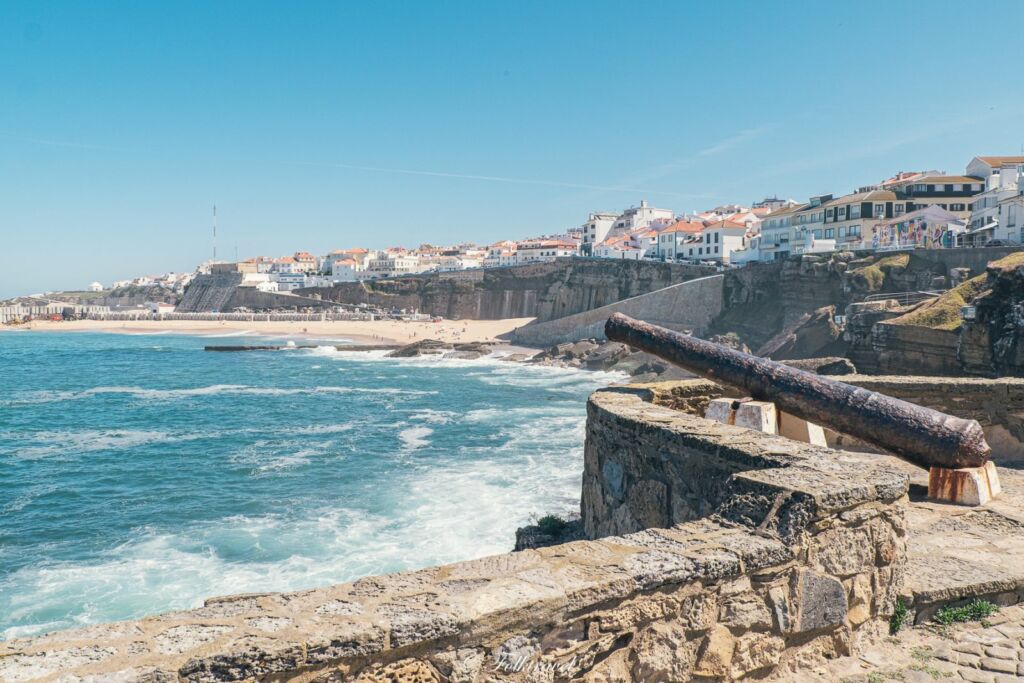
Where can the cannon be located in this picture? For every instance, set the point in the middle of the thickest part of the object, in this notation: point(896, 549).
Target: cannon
point(921, 435)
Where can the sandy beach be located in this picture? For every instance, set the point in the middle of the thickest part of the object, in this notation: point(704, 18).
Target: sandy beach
point(377, 331)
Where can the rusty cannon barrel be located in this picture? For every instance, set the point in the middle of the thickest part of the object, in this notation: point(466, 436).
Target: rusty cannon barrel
point(921, 435)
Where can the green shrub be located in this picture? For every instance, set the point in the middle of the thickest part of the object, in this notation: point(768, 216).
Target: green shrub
point(975, 610)
point(551, 525)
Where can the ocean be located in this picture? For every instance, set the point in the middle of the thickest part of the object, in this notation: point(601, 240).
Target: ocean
point(140, 474)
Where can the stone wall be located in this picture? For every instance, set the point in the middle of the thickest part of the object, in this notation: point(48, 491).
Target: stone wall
point(997, 404)
point(788, 554)
point(209, 292)
point(689, 306)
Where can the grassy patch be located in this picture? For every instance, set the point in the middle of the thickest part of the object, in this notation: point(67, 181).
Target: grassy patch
point(932, 671)
point(551, 525)
point(975, 610)
point(1014, 260)
point(872, 276)
point(899, 619)
point(943, 313)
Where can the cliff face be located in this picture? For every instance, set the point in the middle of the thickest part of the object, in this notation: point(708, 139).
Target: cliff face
point(543, 290)
point(592, 283)
point(134, 295)
point(931, 338)
point(993, 343)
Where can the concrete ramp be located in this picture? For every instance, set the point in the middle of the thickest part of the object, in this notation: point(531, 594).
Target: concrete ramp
point(690, 305)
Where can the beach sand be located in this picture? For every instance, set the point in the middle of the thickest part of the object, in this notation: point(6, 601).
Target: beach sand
point(368, 332)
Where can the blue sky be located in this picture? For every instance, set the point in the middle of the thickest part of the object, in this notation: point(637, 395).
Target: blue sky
point(317, 126)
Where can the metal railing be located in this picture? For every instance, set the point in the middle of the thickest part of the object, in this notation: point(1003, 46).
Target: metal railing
point(905, 298)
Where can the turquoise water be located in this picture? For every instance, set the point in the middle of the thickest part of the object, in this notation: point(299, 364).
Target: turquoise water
point(140, 474)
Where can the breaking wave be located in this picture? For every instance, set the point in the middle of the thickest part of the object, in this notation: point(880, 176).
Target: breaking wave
point(193, 475)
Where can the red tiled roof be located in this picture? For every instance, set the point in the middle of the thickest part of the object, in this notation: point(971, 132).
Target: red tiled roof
point(685, 226)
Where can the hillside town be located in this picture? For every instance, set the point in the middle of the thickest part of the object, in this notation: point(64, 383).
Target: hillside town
point(912, 209)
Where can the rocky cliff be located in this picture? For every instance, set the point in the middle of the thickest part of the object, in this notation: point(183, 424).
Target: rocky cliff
point(543, 290)
point(932, 338)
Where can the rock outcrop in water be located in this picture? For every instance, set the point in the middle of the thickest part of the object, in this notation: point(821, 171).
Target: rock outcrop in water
point(435, 347)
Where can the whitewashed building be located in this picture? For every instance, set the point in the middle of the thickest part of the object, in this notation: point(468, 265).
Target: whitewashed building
point(533, 251)
point(345, 270)
point(672, 240)
point(1001, 176)
point(642, 216)
point(596, 230)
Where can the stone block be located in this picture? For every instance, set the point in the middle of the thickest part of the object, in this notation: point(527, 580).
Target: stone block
point(964, 486)
point(793, 427)
point(756, 651)
point(821, 601)
point(716, 659)
point(662, 652)
point(721, 410)
point(758, 415)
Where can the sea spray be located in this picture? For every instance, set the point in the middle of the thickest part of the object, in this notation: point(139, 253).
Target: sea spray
point(139, 480)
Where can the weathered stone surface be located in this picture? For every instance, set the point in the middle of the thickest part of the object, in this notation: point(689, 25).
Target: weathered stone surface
point(746, 611)
point(821, 601)
point(663, 653)
point(716, 656)
point(405, 671)
point(755, 651)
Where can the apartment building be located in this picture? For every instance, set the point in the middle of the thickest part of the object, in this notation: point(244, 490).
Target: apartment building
point(1001, 177)
point(642, 216)
point(952, 193)
point(672, 240)
point(596, 230)
point(809, 225)
point(777, 233)
point(1011, 217)
point(851, 219)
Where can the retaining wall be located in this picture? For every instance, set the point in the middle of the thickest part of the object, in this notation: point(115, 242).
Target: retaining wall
point(690, 306)
point(997, 404)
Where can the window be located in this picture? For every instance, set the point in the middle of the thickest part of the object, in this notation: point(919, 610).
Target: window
point(829, 234)
point(949, 188)
point(879, 210)
point(716, 250)
point(842, 232)
point(855, 211)
point(817, 234)
point(841, 214)
point(700, 251)
point(957, 207)
point(854, 231)
point(829, 213)
point(716, 238)
point(898, 210)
